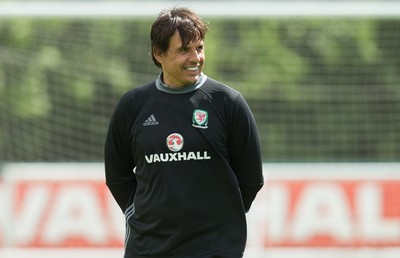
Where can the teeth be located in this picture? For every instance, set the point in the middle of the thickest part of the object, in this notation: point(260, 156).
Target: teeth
point(194, 68)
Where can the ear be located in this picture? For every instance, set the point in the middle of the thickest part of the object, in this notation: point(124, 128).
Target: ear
point(158, 55)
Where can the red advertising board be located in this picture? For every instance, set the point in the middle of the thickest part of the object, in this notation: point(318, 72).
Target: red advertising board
point(59, 205)
point(53, 206)
point(63, 214)
point(322, 213)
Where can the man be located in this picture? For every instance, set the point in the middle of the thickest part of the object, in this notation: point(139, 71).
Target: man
point(182, 154)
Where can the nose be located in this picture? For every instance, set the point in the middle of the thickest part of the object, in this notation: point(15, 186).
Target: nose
point(194, 56)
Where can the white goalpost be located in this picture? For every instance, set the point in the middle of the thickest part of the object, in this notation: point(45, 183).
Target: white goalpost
point(240, 9)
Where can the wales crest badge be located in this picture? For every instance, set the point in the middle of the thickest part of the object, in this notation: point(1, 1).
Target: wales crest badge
point(200, 119)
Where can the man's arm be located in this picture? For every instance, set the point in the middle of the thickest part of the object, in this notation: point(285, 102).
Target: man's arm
point(118, 159)
point(245, 151)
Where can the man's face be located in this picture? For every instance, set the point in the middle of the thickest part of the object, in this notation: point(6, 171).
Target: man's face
point(181, 65)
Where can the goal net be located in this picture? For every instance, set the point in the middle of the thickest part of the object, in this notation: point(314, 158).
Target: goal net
point(323, 79)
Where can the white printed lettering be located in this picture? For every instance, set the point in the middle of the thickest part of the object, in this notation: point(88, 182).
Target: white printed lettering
point(156, 158)
point(172, 157)
point(199, 155)
point(176, 156)
point(191, 156)
point(373, 225)
point(149, 159)
point(164, 157)
point(322, 210)
point(78, 209)
point(182, 155)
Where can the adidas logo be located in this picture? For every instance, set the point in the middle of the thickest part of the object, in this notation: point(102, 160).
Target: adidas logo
point(150, 121)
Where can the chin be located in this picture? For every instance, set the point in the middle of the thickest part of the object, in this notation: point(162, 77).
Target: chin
point(193, 79)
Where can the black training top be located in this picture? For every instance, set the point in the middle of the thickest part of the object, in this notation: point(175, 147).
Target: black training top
point(196, 158)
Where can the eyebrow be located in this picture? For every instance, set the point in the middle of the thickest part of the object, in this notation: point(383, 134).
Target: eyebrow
point(187, 46)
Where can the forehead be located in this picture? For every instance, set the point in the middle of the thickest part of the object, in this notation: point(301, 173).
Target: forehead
point(176, 41)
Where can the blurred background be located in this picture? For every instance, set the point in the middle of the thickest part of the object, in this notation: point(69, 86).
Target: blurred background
point(322, 78)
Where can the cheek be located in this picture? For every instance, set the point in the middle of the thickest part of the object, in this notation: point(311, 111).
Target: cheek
point(203, 57)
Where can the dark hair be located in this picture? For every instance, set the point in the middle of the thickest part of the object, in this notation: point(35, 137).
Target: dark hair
point(189, 25)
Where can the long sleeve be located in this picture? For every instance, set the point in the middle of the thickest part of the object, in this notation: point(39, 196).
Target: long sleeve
point(118, 159)
point(245, 151)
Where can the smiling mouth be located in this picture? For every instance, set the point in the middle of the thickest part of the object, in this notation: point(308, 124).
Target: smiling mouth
point(192, 68)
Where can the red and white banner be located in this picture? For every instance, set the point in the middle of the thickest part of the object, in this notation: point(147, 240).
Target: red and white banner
point(321, 213)
point(308, 206)
point(60, 205)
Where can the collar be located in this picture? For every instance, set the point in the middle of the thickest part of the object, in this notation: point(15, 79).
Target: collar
point(163, 87)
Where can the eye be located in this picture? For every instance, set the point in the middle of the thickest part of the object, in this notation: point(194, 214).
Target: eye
point(183, 49)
